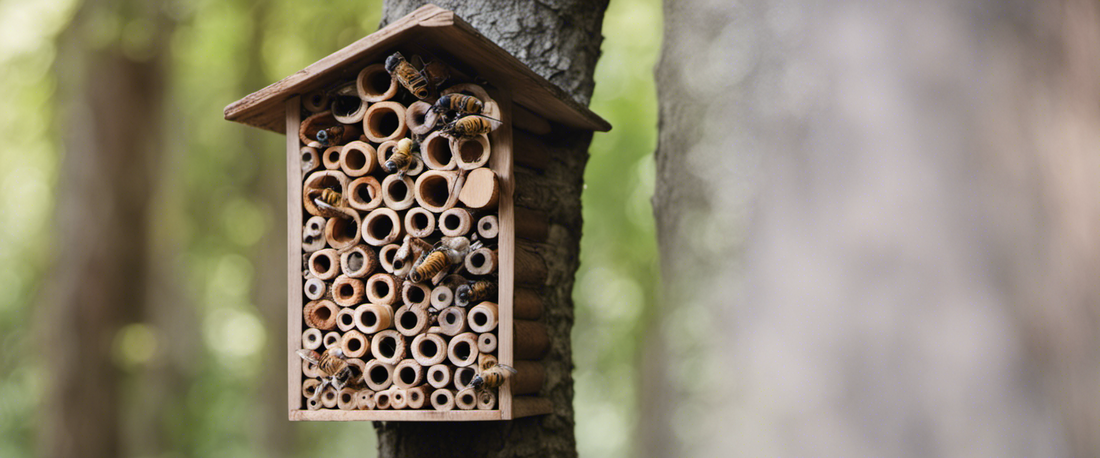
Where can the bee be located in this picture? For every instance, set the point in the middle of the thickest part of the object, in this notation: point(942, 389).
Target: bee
point(474, 292)
point(330, 135)
point(407, 75)
point(491, 374)
point(459, 103)
point(332, 364)
point(330, 196)
point(448, 252)
point(432, 264)
point(471, 126)
point(328, 201)
point(401, 158)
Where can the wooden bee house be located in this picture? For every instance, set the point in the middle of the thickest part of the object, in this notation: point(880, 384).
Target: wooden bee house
point(365, 219)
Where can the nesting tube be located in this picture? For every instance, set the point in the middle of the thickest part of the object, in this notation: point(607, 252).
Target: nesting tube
point(442, 297)
point(487, 342)
point(358, 262)
point(417, 396)
point(343, 232)
point(313, 234)
point(481, 261)
point(488, 227)
point(371, 318)
point(529, 377)
point(416, 168)
point(385, 150)
point(407, 374)
point(311, 339)
point(354, 344)
point(452, 321)
point(481, 190)
point(346, 399)
point(345, 319)
point(397, 192)
point(364, 193)
point(330, 158)
point(421, 118)
point(443, 400)
point(383, 399)
point(382, 289)
point(379, 375)
point(347, 107)
point(307, 132)
point(314, 288)
point(483, 317)
point(463, 376)
point(439, 375)
point(331, 339)
point(385, 121)
point(364, 400)
point(531, 340)
point(429, 349)
point(470, 153)
point(357, 159)
point(317, 181)
point(309, 387)
point(527, 304)
point(324, 264)
point(419, 222)
point(320, 314)
point(381, 226)
point(329, 397)
point(357, 368)
point(311, 159)
point(415, 294)
point(386, 256)
point(532, 225)
point(455, 222)
point(388, 346)
point(411, 321)
point(438, 190)
point(466, 399)
point(374, 84)
point(486, 399)
point(397, 398)
point(435, 150)
point(347, 291)
point(311, 370)
point(313, 403)
point(462, 349)
point(315, 101)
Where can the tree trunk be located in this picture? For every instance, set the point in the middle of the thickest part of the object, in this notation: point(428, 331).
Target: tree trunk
point(890, 213)
point(561, 42)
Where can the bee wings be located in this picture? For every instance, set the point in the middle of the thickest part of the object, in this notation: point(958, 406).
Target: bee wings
point(309, 355)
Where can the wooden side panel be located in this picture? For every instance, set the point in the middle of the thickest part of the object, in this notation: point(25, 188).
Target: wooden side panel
point(294, 255)
point(501, 162)
point(394, 415)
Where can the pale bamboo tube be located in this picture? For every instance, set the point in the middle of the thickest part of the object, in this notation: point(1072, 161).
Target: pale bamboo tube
point(330, 158)
point(309, 387)
point(347, 291)
point(381, 226)
point(357, 159)
point(320, 314)
point(311, 339)
point(383, 399)
point(442, 297)
point(488, 227)
point(358, 261)
point(370, 318)
point(481, 190)
point(341, 233)
point(357, 368)
point(314, 288)
point(382, 289)
point(416, 295)
point(455, 222)
point(313, 234)
point(439, 375)
point(528, 151)
point(416, 167)
point(435, 151)
point(397, 192)
point(364, 193)
point(463, 376)
point(420, 117)
point(429, 349)
point(347, 107)
point(526, 304)
point(466, 399)
point(355, 344)
point(462, 349)
point(311, 159)
point(531, 340)
point(530, 269)
point(346, 399)
point(437, 190)
point(486, 361)
point(386, 256)
point(329, 397)
point(311, 370)
point(470, 153)
point(374, 84)
point(385, 121)
point(411, 249)
point(483, 317)
point(525, 120)
point(315, 101)
point(481, 261)
point(397, 398)
point(408, 373)
point(443, 400)
point(379, 375)
point(345, 319)
point(417, 396)
point(419, 222)
point(388, 347)
point(529, 377)
point(313, 403)
point(385, 150)
point(486, 399)
point(411, 321)
point(532, 224)
point(487, 342)
point(331, 339)
point(330, 179)
point(364, 400)
point(452, 320)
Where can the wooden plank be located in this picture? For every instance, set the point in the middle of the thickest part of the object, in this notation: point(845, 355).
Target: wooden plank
point(294, 253)
point(501, 162)
point(394, 415)
point(526, 406)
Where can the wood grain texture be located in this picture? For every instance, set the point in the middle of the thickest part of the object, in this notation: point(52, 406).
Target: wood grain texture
point(294, 256)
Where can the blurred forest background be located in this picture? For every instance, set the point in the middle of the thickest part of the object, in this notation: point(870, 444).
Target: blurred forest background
point(217, 236)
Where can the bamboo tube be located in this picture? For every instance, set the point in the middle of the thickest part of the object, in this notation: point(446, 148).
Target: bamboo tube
point(379, 375)
point(374, 84)
point(385, 150)
point(408, 373)
point(358, 261)
point(314, 288)
point(525, 120)
point(357, 368)
point(383, 399)
point(381, 226)
point(462, 349)
point(309, 387)
point(416, 167)
point(526, 304)
point(470, 153)
point(411, 321)
point(439, 375)
point(386, 256)
point(330, 158)
point(388, 346)
point(532, 225)
point(311, 159)
point(435, 151)
point(429, 349)
point(311, 339)
point(485, 362)
point(397, 192)
point(311, 370)
point(463, 376)
point(481, 261)
point(385, 121)
point(330, 179)
point(455, 222)
point(452, 321)
point(364, 193)
point(331, 339)
point(364, 400)
point(442, 297)
point(345, 319)
point(420, 118)
point(483, 317)
point(313, 403)
point(313, 234)
point(481, 190)
point(419, 222)
point(357, 159)
point(488, 227)
point(346, 105)
point(529, 267)
point(531, 340)
point(315, 101)
point(371, 318)
point(416, 295)
point(324, 264)
point(466, 399)
point(329, 397)
point(487, 342)
point(437, 190)
point(486, 399)
point(398, 400)
point(347, 291)
point(443, 400)
point(382, 289)
point(354, 344)
point(346, 399)
point(343, 232)
point(417, 396)
point(529, 377)
point(528, 151)
point(320, 314)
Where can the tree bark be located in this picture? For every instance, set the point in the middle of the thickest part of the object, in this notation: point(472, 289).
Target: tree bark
point(889, 212)
point(560, 40)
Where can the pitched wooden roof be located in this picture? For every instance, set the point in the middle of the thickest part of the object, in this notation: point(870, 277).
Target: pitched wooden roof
point(434, 30)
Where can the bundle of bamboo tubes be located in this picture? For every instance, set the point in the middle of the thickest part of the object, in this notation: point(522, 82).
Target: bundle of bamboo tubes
point(400, 238)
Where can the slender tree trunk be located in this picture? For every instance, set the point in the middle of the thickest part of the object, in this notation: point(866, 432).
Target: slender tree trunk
point(559, 40)
point(908, 215)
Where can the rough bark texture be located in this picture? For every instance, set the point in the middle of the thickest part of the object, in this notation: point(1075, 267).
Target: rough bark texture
point(559, 40)
point(919, 184)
